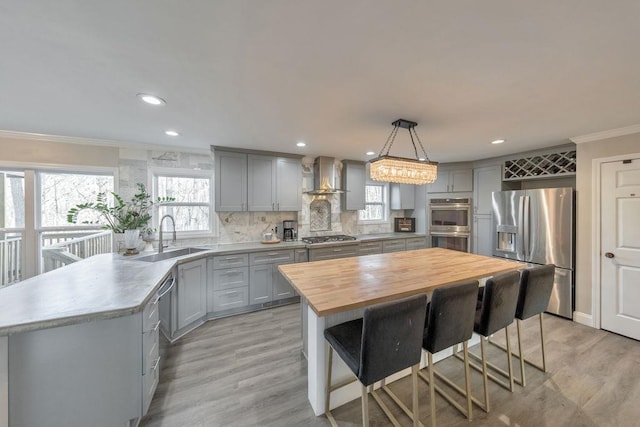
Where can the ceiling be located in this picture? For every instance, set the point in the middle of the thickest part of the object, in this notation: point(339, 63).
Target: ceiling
point(332, 73)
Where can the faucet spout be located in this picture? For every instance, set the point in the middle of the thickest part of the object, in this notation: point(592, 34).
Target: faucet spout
point(161, 240)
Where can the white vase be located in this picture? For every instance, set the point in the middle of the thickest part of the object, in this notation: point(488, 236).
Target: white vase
point(131, 239)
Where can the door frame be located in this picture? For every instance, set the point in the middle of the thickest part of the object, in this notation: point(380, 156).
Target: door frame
point(596, 230)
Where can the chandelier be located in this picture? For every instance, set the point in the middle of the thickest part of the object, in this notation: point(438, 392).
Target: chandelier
point(403, 170)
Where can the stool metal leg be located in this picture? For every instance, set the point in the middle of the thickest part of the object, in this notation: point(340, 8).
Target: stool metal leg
point(544, 363)
point(432, 389)
point(506, 331)
point(467, 378)
point(485, 380)
point(365, 405)
point(523, 381)
point(327, 399)
point(416, 406)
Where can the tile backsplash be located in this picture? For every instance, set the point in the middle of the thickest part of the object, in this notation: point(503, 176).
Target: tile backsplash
point(232, 227)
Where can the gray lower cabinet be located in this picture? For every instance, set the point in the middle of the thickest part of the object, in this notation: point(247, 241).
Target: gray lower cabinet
point(394, 245)
point(333, 252)
point(368, 248)
point(301, 255)
point(191, 292)
point(266, 284)
point(416, 243)
point(228, 282)
point(98, 373)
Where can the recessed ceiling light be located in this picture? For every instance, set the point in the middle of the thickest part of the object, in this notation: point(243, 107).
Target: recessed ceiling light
point(301, 144)
point(370, 153)
point(498, 141)
point(171, 133)
point(151, 99)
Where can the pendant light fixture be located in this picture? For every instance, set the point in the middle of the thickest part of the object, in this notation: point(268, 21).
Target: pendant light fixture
point(403, 170)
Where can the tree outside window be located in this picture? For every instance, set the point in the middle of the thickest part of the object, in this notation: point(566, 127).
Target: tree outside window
point(375, 203)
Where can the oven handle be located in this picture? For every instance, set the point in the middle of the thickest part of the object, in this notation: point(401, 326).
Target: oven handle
point(457, 207)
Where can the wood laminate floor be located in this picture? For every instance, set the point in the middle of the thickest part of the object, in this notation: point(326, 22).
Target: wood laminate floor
point(248, 370)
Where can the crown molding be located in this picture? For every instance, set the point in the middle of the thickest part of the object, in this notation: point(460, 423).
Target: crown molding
point(28, 136)
point(629, 130)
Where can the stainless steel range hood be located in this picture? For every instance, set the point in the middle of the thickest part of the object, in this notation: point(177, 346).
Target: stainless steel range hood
point(325, 177)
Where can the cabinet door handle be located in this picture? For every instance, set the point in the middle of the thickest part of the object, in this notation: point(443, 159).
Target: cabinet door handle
point(231, 272)
point(155, 364)
point(155, 328)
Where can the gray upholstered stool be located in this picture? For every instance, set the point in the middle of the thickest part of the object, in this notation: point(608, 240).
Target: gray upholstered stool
point(386, 340)
point(449, 322)
point(536, 285)
point(495, 311)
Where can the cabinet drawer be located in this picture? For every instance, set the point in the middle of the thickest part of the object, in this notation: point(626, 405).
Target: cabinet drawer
point(272, 257)
point(230, 278)
point(149, 383)
point(230, 298)
point(230, 261)
point(393, 245)
point(150, 314)
point(367, 248)
point(302, 255)
point(333, 252)
point(150, 346)
point(416, 243)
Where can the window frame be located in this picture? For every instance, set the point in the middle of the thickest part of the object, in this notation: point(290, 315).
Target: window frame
point(156, 172)
point(384, 203)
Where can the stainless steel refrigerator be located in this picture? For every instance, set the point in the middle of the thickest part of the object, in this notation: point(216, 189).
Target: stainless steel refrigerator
point(537, 227)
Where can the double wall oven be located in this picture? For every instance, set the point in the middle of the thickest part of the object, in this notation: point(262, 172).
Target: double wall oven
point(450, 223)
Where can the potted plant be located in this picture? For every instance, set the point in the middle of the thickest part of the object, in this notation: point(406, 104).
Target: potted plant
point(128, 217)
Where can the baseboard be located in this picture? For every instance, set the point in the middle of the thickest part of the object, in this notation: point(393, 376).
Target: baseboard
point(583, 318)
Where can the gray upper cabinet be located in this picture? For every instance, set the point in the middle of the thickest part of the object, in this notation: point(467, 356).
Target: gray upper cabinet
point(485, 181)
point(288, 184)
point(261, 183)
point(274, 184)
point(231, 181)
point(191, 292)
point(354, 178)
point(452, 181)
point(402, 196)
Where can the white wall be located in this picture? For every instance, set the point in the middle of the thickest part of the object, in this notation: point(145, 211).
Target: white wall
point(586, 152)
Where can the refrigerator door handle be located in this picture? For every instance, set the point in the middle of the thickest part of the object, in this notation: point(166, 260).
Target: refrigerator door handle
point(520, 230)
point(526, 214)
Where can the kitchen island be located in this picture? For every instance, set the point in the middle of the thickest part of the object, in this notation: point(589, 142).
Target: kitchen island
point(336, 291)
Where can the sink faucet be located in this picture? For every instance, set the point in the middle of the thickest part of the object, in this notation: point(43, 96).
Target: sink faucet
point(161, 243)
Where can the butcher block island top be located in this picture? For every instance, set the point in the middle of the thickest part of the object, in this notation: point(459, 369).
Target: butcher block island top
point(338, 285)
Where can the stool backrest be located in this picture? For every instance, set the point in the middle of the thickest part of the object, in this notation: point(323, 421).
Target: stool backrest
point(391, 338)
point(536, 285)
point(499, 301)
point(450, 316)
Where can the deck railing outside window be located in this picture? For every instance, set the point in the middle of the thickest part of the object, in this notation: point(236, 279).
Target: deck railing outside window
point(10, 259)
point(60, 249)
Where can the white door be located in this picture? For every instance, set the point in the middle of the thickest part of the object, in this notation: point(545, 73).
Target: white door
point(620, 250)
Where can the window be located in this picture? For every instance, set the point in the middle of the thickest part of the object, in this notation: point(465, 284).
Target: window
point(191, 208)
point(375, 205)
point(59, 192)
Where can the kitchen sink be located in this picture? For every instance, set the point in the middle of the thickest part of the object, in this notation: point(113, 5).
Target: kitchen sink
point(171, 254)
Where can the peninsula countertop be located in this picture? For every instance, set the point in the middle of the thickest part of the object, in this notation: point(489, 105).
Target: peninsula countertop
point(344, 284)
point(108, 285)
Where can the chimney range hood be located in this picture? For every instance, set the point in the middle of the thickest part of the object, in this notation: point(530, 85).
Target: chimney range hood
point(325, 177)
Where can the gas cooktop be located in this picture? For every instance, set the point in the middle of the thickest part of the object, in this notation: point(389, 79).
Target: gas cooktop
point(325, 239)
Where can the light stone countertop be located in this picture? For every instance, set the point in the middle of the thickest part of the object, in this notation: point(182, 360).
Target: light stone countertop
point(110, 285)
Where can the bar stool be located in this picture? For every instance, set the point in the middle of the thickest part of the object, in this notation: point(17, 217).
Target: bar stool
point(536, 285)
point(495, 310)
point(449, 322)
point(385, 341)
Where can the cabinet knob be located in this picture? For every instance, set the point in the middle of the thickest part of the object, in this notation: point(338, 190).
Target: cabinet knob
point(609, 255)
